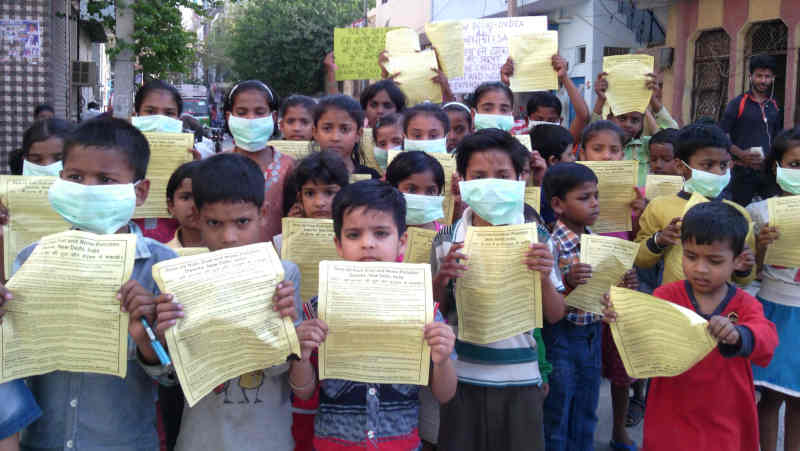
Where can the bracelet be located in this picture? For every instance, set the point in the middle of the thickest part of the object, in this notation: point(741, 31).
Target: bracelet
point(303, 387)
point(655, 240)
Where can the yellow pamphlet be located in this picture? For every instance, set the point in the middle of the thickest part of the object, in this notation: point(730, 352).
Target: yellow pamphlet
point(295, 149)
point(532, 53)
point(418, 246)
point(533, 197)
point(616, 180)
point(784, 214)
point(306, 242)
point(627, 82)
point(447, 38)
point(187, 251)
point(167, 152)
point(402, 40)
point(662, 185)
point(416, 73)
point(610, 258)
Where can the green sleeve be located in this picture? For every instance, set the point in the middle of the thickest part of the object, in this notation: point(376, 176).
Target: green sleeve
point(544, 366)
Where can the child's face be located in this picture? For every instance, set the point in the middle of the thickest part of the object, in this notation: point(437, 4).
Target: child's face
point(567, 156)
point(230, 224)
point(317, 199)
point(715, 160)
point(708, 266)
point(605, 145)
point(336, 130)
point(424, 127)
point(791, 158)
point(369, 235)
point(579, 206)
point(459, 128)
point(379, 106)
point(181, 207)
point(251, 104)
point(389, 137)
point(631, 124)
point(545, 114)
point(422, 183)
point(296, 124)
point(46, 152)
point(662, 159)
point(160, 102)
point(491, 163)
point(494, 102)
point(95, 166)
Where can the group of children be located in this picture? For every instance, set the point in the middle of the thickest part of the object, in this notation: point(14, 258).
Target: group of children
point(536, 390)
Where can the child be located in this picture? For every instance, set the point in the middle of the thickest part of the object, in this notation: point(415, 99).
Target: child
point(662, 153)
point(296, 116)
point(250, 112)
point(318, 177)
point(381, 98)
point(544, 106)
point(705, 166)
point(337, 127)
point(180, 204)
point(388, 135)
point(573, 344)
point(780, 295)
point(369, 223)
point(420, 178)
point(232, 215)
point(105, 162)
point(460, 118)
point(712, 405)
point(42, 148)
point(425, 127)
point(553, 142)
point(636, 145)
point(498, 402)
point(493, 106)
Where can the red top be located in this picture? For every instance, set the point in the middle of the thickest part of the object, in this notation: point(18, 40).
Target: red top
point(712, 405)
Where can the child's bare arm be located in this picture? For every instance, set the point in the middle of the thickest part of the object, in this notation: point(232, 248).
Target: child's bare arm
point(443, 381)
point(302, 375)
point(540, 259)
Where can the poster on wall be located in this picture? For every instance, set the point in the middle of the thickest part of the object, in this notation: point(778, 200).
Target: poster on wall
point(20, 40)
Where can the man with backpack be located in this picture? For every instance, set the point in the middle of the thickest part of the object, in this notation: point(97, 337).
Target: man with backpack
point(752, 120)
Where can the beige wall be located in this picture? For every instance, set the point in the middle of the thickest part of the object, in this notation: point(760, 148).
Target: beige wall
point(403, 13)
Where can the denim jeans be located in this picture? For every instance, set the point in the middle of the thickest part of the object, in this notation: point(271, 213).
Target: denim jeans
point(17, 408)
point(570, 409)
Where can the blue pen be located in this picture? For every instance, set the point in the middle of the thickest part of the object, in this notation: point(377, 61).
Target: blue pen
point(160, 352)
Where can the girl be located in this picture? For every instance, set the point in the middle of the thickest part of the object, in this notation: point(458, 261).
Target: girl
point(780, 295)
point(42, 147)
point(337, 127)
point(421, 180)
point(492, 106)
point(296, 116)
point(250, 113)
point(460, 118)
point(380, 99)
point(158, 105)
point(388, 135)
point(425, 127)
point(180, 204)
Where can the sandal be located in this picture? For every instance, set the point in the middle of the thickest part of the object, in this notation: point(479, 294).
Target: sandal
point(635, 412)
point(623, 447)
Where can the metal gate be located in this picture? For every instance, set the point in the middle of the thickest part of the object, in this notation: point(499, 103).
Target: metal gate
point(711, 72)
point(768, 38)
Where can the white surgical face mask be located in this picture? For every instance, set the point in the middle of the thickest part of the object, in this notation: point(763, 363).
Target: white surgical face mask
point(52, 169)
point(251, 134)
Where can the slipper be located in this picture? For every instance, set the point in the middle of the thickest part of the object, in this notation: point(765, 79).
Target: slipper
point(635, 413)
point(623, 447)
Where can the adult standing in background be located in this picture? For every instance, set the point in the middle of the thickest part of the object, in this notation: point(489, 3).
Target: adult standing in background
point(752, 119)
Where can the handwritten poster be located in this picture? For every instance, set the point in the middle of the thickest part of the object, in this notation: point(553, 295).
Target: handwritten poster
point(20, 40)
point(486, 48)
point(356, 52)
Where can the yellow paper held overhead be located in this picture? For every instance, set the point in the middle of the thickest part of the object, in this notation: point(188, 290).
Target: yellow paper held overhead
point(306, 242)
point(627, 82)
point(616, 180)
point(167, 152)
point(229, 327)
point(447, 38)
point(295, 149)
point(533, 197)
point(655, 337)
point(356, 52)
point(376, 313)
point(65, 315)
point(416, 73)
point(402, 40)
point(533, 54)
point(418, 245)
point(610, 258)
point(784, 214)
point(30, 216)
point(662, 185)
point(498, 297)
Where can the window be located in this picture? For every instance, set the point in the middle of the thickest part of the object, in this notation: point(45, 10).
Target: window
point(611, 51)
point(582, 54)
point(711, 72)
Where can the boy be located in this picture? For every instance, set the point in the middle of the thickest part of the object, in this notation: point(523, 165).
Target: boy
point(712, 405)
point(703, 151)
point(369, 223)
point(247, 412)
point(662, 153)
point(105, 162)
point(316, 179)
point(574, 344)
point(498, 404)
point(180, 204)
point(554, 144)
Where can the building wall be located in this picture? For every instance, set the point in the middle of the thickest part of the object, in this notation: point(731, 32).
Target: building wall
point(689, 18)
point(403, 13)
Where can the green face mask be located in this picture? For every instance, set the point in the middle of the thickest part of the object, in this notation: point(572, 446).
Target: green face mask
point(157, 123)
point(788, 179)
point(101, 209)
point(423, 209)
point(427, 145)
point(501, 121)
point(708, 184)
point(497, 201)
